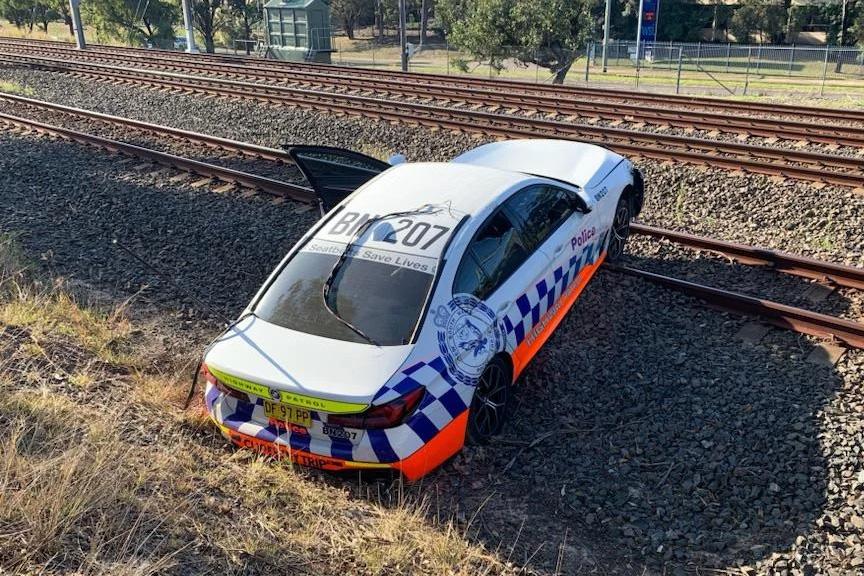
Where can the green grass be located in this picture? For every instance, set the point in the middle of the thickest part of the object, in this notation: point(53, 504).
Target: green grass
point(15, 88)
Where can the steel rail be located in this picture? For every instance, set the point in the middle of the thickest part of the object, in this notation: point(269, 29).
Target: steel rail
point(246, 148)
point(852, 333)
point(502, 85)
point(781, 315)
point(269, 185)
point(780, 129)
point(738, 156)
point(839, 274)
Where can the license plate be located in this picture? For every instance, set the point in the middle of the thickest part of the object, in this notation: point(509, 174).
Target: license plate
point(287, 413)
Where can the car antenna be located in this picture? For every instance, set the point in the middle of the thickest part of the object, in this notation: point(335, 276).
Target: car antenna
point(207, 307)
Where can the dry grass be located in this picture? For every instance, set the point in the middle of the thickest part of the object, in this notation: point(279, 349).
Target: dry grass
point(101, 472)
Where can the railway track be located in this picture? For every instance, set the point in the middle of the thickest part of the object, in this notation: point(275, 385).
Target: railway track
point(804, 321)
point(569, 108)
point(228, 175)
point(799, 164)
point(351, 73)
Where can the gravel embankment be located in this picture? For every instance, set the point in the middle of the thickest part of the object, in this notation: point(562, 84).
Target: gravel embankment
point(219, 247)
point(674, 446)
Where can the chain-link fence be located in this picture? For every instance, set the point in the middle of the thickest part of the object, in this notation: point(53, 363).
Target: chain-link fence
point(695, 68)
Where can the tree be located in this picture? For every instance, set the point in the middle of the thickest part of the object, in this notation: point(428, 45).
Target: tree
point(425, 7)
point(542, 32)
point(245, 15)
point(857, 29)
point(350, 12)
point(208, 19)
point(133, 22)
point(18, 12)
point(768, 19)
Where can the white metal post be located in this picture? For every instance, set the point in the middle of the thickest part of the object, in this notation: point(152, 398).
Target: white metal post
point(187, 23)
point(76, 24)
point(606, 19)
point(639, 39)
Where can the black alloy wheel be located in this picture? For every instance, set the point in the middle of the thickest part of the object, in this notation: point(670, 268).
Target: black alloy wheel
point(620, 230)
point(490, 403)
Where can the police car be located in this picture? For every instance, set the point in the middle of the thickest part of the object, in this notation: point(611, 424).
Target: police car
point(396, 327)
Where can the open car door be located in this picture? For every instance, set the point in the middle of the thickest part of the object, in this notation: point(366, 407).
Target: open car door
point(334, 173)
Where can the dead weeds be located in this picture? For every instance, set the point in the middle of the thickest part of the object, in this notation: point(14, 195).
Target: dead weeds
point(101, 472)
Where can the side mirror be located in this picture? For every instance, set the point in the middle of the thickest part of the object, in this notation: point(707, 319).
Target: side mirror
point(581, 203)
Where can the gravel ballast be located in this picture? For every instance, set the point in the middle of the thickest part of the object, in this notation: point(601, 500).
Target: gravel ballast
point(824, 222)
point(672, 446)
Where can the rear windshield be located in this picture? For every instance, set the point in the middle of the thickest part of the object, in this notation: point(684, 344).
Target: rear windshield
point(384, 301)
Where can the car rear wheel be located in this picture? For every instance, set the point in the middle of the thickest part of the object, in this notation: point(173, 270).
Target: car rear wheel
point(490, 403)
point(620, 229)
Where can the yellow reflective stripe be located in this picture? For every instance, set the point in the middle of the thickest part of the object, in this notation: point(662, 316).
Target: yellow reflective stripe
point(292, 398)
point(351, 464)
point(240, 384)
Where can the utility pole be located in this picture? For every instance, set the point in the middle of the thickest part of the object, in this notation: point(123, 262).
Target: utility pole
point(639, 38)
point(76, 24)
point(403, 36)
point(187, 23)
point(606, 32)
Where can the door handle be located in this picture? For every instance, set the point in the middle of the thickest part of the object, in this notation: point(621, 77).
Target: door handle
point(558, 250)
point(502, 307)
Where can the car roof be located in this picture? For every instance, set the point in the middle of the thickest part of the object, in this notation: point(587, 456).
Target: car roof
point(462, 187)
point(577, 163)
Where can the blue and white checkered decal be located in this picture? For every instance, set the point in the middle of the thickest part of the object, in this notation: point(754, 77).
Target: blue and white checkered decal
point(445, 398)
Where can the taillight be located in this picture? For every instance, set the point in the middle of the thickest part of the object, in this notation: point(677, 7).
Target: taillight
point(383, 416)
point(222, 387)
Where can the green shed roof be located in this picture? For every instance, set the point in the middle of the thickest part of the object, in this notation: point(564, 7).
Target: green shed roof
point(292, 3)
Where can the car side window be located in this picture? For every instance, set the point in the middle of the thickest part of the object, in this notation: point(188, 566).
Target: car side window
point(542, 209)
point(470, 278)
point(495, 253)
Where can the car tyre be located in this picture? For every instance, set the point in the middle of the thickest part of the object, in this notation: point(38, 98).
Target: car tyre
point(490, 405)
point(620, 231)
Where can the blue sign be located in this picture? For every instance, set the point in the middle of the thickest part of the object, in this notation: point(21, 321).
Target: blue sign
point(650, 9)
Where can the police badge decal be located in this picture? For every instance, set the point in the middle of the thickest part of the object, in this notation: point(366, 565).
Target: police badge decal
point(468, 337)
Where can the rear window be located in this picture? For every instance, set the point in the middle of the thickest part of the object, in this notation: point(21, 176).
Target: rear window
point(382, 300)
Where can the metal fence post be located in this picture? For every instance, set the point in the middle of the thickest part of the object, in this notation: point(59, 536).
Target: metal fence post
point(587, 60)
point(759, 58)
point(791, 58)
point(747, 74)
point(678, 80)
point(698, 54)
point(824, 73)
point(728, 52)
point(447, 50)
point(536, 65)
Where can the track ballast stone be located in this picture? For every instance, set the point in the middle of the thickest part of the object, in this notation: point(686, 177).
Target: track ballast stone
point(674, 446)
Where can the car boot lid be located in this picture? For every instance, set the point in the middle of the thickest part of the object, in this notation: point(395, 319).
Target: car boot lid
point(302, 369)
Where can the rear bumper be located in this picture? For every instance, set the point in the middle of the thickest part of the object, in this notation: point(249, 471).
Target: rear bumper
point(301, 449)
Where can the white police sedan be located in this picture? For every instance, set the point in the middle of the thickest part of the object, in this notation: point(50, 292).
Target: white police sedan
point(395, 328)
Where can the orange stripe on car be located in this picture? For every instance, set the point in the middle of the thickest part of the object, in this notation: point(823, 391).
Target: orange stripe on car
point(538, 335)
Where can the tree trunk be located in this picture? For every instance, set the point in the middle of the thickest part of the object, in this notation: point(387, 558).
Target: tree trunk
point(349, 28)
point(247, 32)
point(561, 72)
point(68, 20)
point(424, 20)
point(209, 45)
point(714, 22)
point(379, 16)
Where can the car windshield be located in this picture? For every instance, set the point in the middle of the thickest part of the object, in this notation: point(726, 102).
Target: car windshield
point(383, 299)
